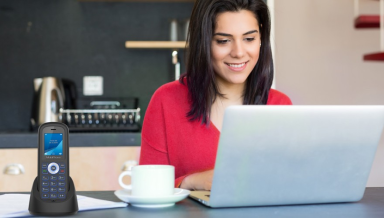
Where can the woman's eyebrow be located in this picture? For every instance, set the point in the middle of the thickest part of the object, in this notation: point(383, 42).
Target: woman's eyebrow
point(226, 34)
point(252, 31)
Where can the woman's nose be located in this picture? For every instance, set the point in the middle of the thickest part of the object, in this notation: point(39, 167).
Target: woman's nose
point(238, 50)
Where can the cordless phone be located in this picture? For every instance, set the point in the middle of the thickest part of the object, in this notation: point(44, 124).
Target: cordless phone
point(53, 162)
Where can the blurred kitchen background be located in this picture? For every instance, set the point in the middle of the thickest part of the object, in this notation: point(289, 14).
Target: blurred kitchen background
point(72, 39)
point(318, 54)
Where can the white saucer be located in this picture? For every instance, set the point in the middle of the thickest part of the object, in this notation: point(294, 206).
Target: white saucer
point(152, 202)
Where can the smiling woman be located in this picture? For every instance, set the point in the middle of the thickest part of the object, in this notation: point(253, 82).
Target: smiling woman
point(229, 62)
point(235, 52)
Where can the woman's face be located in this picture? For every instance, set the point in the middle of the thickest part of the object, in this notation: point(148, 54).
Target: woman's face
point(235, 46)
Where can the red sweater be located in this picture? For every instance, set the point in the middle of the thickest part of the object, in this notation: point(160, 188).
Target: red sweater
point(168, 137)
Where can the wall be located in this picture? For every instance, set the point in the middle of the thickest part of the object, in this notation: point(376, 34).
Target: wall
point(71, 39)
point(319, 58)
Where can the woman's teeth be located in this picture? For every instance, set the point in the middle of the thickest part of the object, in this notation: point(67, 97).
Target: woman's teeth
point(237, 65)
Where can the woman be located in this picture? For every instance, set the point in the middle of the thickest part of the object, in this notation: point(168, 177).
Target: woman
point(229, 63)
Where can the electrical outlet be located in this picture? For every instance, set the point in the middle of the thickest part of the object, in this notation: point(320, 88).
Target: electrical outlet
point(93, 85)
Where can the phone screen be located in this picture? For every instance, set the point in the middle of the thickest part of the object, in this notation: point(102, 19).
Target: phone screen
point(53, 167)
point(53, 144)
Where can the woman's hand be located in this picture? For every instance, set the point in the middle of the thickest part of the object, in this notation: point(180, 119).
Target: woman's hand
point(198, 181)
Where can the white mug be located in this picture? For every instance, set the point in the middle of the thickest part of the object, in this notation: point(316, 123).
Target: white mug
point(150, 180)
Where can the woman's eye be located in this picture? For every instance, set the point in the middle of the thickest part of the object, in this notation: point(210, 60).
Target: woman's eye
point(249, 39)
point(222, 41)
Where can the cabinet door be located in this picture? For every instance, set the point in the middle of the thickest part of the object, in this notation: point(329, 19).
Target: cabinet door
point(98, 168)
point(14, 161)
point(91, 168)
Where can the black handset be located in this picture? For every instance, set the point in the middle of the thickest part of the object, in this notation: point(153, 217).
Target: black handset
point(53, 162)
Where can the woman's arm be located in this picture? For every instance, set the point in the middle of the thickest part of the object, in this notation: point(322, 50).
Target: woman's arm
point(151, 155)
point(154, 148)
point(155, 139)
point(196, 181)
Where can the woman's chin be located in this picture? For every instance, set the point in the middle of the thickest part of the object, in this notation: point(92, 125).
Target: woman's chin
point(236, 80)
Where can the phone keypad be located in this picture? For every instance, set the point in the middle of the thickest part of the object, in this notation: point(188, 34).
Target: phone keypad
point(53, 181)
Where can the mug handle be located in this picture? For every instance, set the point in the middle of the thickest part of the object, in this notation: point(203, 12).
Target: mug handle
point(125, 173)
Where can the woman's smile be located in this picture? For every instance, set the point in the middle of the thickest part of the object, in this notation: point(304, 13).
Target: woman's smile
point(237, 66)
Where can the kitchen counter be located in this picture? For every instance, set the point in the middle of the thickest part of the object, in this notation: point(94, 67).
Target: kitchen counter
point(29, 140)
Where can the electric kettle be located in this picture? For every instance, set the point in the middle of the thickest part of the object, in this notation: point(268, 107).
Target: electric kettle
point(49, 96)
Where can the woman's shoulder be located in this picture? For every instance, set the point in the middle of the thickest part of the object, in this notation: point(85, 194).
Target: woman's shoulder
point(171, 91)
point(278, 98)
point(172, 87)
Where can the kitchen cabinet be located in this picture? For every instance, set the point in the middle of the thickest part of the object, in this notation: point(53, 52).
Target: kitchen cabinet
point(91, 168)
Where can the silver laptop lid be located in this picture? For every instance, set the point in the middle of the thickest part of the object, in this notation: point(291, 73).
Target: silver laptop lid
point(280, 155)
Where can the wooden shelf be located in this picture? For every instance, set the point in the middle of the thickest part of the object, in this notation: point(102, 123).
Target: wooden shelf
point(155, 44)
point(374, 57)
point(367, 21)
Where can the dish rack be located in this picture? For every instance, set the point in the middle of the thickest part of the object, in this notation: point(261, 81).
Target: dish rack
point(101, 120)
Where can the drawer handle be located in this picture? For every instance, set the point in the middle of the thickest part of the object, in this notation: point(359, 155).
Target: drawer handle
point(127, 165)
point(14, 169)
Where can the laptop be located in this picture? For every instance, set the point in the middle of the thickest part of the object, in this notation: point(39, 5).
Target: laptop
point(287, 155)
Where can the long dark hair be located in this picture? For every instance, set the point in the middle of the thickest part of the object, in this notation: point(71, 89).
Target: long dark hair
point(200, 75)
